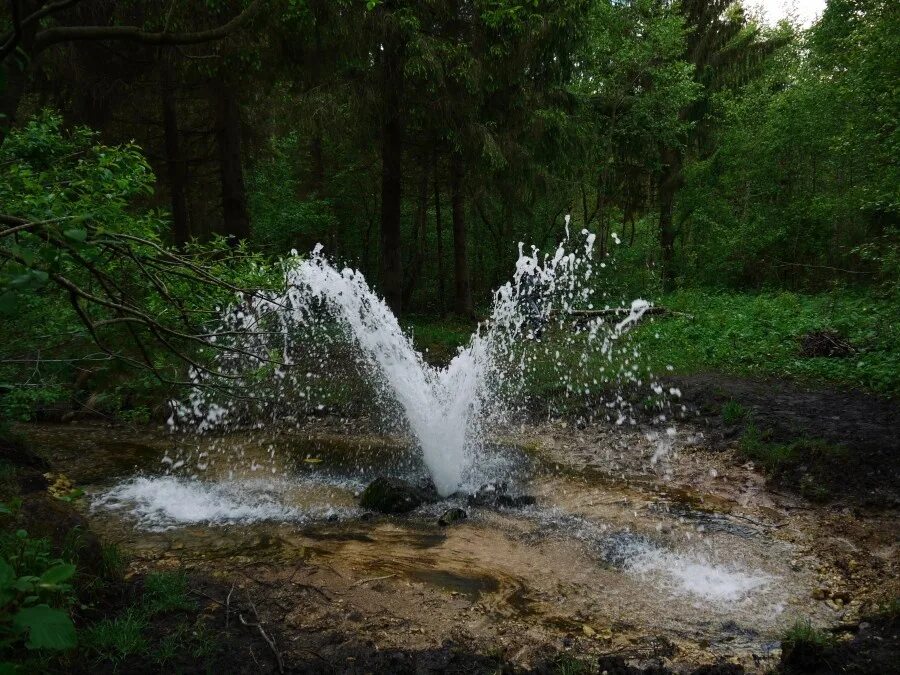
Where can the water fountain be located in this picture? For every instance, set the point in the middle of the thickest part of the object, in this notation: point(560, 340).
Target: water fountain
point(448, 410)
point(600, 538)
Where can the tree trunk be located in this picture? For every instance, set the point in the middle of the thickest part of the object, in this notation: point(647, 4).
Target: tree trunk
point(439, 234)
point(174, 161)
point(392, 176)
point(235, 217)
point(14, 73)
point(668, 187)
point(316, 154)
point(463, 289)
point(417, 259)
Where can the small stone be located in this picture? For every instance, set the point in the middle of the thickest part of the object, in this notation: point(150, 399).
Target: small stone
point(451, 516)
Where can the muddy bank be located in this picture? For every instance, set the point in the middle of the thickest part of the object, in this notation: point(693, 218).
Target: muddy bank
point(826, 444)
point(860, 421)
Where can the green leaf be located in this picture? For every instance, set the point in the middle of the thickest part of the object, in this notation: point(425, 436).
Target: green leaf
point(30, 279)
point(8, 305)
point(76, 234)
point(47, 628)
point(57, 574)
point(7, 574)
point(24, 584)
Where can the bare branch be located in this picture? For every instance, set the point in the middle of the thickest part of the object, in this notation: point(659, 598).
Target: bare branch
point(57, 34)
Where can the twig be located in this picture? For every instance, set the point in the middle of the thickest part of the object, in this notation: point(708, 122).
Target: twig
point(258, 626)
point(228, 606)
point(659, 311)
point(365, 581)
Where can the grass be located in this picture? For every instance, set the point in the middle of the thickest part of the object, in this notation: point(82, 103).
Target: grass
point(782, 458)
point(569, 665)
point(135, 632)
point(777, 457)
point(758, 335)
point(805, 648)
point(196, 641)
point(733, 413)
point(113, 561)
point(755, 335)
point(115, 640)
point(166, 592)
point(438, 338)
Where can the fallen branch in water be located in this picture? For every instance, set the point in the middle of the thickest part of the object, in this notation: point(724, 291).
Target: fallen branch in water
point(365, 581)
point(654, 311)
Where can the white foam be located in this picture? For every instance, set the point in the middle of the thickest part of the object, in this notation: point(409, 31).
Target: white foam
point(700, 578)
point(164, 502)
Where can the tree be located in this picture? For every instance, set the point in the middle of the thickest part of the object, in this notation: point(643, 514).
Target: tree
point(725, 50)
point(27, 38)
point(87, 275)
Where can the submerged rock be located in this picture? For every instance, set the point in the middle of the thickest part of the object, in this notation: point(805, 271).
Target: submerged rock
point(392, 495)
point(497, 494)
point(451, 516)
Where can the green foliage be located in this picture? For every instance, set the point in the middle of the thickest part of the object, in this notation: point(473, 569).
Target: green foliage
point(758, 335)
point(282, 220)
point(802, 186)
point(34, 595)
point(90, 280)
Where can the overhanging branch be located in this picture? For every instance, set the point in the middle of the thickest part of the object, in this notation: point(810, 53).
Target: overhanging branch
point(57, 34)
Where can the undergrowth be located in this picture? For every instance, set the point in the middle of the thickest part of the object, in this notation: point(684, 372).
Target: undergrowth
point(759, 335)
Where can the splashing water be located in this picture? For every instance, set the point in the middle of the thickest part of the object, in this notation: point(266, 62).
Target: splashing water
point(286, 349)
